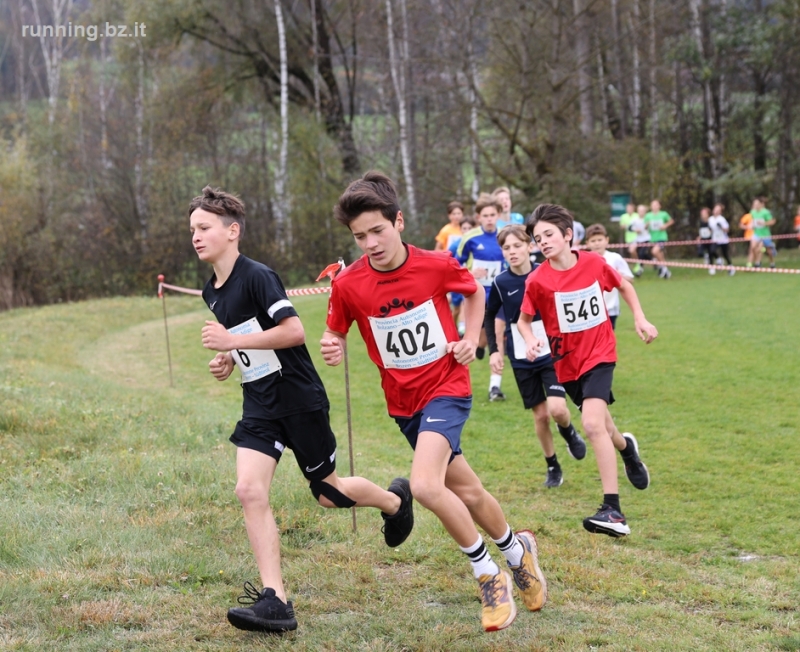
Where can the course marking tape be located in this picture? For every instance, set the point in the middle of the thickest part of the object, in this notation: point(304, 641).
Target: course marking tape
point(769, 270)
point(291, 293)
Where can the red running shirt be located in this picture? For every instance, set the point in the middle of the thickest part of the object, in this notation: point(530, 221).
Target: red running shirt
point(404, 318)
point(574, 313)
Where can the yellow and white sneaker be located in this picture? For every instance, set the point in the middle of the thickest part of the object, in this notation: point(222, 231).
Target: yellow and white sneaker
point(528, 576)
point(499, 610)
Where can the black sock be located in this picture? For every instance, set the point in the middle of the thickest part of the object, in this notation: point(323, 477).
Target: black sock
point(552, 462)
point(566, 433)
point(612, 500)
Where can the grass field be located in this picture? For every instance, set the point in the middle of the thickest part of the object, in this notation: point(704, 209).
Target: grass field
point(119, 528)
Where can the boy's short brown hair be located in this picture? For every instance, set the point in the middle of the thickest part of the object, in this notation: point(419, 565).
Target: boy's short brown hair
point(596, 229)
point(453, 205)
point(517, 230)
point(553, 214)
point(485, 200)
point(215, 200)
point(372, 192)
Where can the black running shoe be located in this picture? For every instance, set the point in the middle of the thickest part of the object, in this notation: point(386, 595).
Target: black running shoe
point(635, 469)
point(554, 477)
point(495, 394)
point(607, 521)
point(266, 613)
point(397, 527)
point(576, 447)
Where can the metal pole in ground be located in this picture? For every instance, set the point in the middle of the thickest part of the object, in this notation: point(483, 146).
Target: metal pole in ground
point(166, 328)
point(349, 423)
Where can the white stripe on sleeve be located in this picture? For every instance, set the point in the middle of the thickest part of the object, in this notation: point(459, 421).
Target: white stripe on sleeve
point(275, 307)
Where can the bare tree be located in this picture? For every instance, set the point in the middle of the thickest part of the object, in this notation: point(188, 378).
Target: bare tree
point(583, 57)
point(53, 47)
point(281, 202)
point(399, 82)
point(636, 98)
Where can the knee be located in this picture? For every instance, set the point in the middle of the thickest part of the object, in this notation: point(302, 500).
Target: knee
point(471, 496)
point(559, 411)
point(594, 427)
point(251, 494)
point(426, 491)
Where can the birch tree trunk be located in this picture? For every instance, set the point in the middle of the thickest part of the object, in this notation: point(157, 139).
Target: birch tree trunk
point(636, 98)
point(138, 166)
point(584, 68)
point(53, 49)
point(653, 89)
point(474, 152)
point(399, 83)
point(622, 83)
point(281, 204)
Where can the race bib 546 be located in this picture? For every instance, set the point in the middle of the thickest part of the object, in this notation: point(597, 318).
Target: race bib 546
point(580, 310)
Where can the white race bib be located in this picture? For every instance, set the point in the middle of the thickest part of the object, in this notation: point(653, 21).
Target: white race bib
point(519, 343)
point(411, 339)
point(580, 310)
point(253, 363)
point(492, 268)
point(705, 232)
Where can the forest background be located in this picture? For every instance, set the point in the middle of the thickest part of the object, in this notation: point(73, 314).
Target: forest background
point(105, 138)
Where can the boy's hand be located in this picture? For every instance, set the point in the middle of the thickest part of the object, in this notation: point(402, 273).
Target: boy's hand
point(496, 362)
point(533, 349)
point(463, 350)
point(221, 366)
point(331, 350)
point(646, 331)
point(216, 337)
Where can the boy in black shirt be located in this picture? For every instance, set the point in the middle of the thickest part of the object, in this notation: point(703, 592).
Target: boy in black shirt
point(285, 404)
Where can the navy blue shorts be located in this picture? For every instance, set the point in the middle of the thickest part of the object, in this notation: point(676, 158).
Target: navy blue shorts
point(445, 415)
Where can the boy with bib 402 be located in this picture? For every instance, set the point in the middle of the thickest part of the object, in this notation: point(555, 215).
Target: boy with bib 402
point(567, 290)
point(397, 295)
point(284, 405)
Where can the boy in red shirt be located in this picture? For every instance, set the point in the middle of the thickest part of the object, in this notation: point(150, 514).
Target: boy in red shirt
point(568, 292)
point(397, 294)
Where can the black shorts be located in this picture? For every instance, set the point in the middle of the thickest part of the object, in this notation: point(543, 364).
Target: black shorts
point(613, 320)
point(645, 252)
point(595, 383)
point(307, 434)
point(535, 385)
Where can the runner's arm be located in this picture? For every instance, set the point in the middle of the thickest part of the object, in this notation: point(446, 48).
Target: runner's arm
point(644, 329)
point(332, 347)
point(288, 333)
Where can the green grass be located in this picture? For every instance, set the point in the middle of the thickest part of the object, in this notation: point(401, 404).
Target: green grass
point(119, 528)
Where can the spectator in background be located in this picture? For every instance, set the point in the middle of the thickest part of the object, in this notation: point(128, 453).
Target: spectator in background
point(658, 222)
point(762, 236)
point(456, 299)
point(797, 225)
point(452, 230)
point(629, 236)
point(503, 196)
point(706, 248)
point(719, 235)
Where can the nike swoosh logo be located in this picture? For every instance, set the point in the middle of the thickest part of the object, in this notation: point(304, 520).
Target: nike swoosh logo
point(315, 468)
point(211, 305)
point(514, 292)
point(429, 420)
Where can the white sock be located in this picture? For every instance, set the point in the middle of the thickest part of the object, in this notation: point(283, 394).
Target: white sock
point(482, 563)
point(511, 547)
point(495, 380)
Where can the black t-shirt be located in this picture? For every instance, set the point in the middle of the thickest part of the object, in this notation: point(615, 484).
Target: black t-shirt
point(254, 290)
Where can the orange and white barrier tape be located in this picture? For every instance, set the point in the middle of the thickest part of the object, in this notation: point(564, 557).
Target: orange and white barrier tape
point(669, 263)
point(176, 288)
